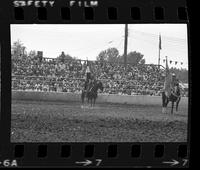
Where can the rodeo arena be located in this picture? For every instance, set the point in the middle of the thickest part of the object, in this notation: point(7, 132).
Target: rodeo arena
point(96, 101)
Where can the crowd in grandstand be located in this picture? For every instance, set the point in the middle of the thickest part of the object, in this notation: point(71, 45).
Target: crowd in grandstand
point(68, 76)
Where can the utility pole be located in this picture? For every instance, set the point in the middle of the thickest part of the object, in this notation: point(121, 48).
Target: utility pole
point(125, 45)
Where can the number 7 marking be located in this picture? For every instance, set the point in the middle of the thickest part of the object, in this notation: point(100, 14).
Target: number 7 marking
point(98, 162)
point(185, 162)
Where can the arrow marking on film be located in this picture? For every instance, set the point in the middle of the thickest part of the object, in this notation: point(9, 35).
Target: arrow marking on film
point(173, 162)
point(85, 163)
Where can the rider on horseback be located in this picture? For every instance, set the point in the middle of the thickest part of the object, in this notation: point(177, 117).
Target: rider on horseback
point(90, 88)
point(90, 79)
point(175, 89)
point(171, 90)
point(90, 84)
point(176, 92)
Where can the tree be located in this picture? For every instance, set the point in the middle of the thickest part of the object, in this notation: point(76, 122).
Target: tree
point(142, 61)
point(110, 55)
point(134, 58)
point(102, 56)
point(32, 54)
point(18, 49)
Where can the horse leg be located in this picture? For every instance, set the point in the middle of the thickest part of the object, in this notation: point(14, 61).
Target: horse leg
point(91, 102)
point(94, 101)
point(177, 102)
point(82, 99)
point(172, 107)
point(164, 102)
point(88, 101)
point(165, 106)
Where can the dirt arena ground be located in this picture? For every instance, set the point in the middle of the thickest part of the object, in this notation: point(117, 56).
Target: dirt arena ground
point(34, 121)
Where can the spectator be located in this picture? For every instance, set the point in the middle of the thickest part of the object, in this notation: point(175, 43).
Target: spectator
point(54, 75)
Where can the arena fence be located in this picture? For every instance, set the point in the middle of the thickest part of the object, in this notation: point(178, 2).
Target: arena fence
point(102, 98)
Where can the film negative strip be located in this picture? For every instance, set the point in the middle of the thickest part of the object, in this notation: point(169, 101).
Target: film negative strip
point(101, 83)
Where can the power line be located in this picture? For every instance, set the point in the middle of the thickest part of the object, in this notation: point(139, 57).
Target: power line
point(150, 43)
point(153, 44)
point(165, 43)
point(155, 39)
point(175, 39)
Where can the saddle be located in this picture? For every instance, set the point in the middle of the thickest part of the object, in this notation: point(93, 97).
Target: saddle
point(176, 92)
point(89, 89)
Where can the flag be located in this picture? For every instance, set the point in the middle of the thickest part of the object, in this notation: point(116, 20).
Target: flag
point(168, 80)
point(160, 47)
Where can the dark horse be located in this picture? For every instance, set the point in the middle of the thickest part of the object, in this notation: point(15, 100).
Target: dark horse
point(91, 94)
point(173, 97)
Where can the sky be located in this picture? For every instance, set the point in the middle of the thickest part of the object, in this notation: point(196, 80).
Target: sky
point(86, 41)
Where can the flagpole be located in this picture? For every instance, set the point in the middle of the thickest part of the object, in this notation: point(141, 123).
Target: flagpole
point(159, 58)
point(159, 48)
